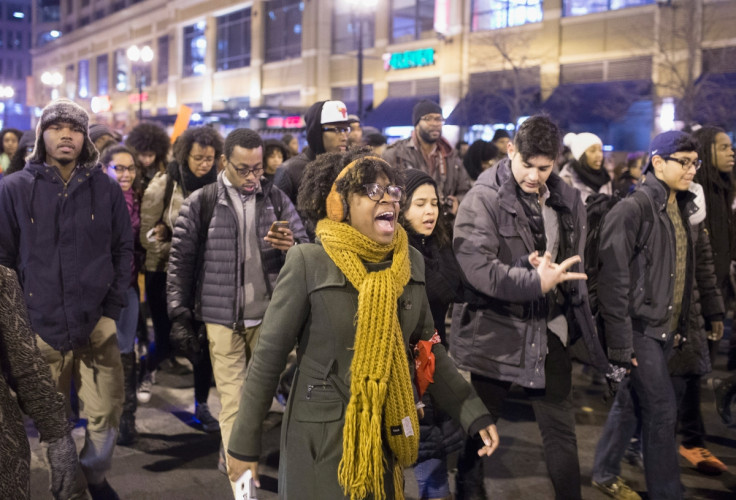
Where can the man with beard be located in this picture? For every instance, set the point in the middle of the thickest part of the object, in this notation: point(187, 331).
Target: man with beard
point(427, 150)
point(241, 256)
point(65, 229)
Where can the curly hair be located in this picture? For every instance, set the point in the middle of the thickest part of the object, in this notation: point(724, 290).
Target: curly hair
point(149, 136)
point(538, 136)
point(17, 133)
point(204, 136)
point(320, 174)
point(111, 151)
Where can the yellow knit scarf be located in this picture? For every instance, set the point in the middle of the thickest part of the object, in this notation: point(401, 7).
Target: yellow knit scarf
point(380, 387)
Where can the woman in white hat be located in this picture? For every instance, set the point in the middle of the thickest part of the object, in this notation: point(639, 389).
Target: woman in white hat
point(585, 171)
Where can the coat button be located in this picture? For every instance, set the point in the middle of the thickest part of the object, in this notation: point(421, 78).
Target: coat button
point(531, 384)
point(664, 335)
point(670, 308)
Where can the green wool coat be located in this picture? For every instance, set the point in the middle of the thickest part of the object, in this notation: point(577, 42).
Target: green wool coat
point(314, 307)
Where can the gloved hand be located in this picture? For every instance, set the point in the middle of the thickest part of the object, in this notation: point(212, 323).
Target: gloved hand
point(63, 459)
point(185, 339)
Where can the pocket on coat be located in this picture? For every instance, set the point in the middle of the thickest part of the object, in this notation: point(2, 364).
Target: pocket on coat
point(317, 411)
point(499, 338)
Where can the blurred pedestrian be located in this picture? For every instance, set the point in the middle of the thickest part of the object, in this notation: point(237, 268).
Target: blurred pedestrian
point(519, 238)
point(120, 164)
point(352, 300)
point(225, 257)
point(25, 148)
point(195, 154)
point(427, 150)
point(24, 372)
point(427, 230)
point(102, 136)
point(292, 145)
point(627, 175)
point(151, 144)
point(585, 172)
point(479, 157)
point(355, 136)
point(75, 282)
point(274, 154)
point(501, 139)
point(376, 141)
point(462, 148)
point(9, 139)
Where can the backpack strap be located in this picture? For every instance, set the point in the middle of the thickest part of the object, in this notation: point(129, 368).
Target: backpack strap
point(207, 202)
point(647, 223)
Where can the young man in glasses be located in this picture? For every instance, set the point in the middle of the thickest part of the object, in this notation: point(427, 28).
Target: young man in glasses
point(427, 150)
point(225, 256)
point(644, 306)
point(328, 126)
point(519, 239)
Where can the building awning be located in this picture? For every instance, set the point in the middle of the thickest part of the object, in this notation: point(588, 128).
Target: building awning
point(395, 111)
point(584, 103)
point(478, 108)
point(714, 99)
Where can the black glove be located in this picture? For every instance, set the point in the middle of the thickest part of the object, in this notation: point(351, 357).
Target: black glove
point(184, 338)
point(62, 456)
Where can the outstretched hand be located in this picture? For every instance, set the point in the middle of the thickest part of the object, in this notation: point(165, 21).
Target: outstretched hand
point(551, 274)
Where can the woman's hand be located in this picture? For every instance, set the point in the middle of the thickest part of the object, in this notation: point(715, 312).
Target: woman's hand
point(236, 468)
point(489, 435)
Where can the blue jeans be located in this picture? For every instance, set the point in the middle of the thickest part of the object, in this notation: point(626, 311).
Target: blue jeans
point(431, 476)
point(127, 324)
point(647, 393)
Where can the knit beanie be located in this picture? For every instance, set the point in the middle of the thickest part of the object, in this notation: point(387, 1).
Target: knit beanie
point(578, 143)
point(422, 108)
point(500, 133)
point(414, 179)
point(97, 130)
point(65, 110)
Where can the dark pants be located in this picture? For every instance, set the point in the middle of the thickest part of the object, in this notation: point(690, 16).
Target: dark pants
point(156, 297)
point(554, 413)
point(647, 393)
point(687, 392)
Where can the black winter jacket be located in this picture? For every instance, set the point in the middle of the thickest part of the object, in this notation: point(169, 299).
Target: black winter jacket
point(637, 295)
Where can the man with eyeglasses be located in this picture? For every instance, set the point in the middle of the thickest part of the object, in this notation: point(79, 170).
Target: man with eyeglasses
point(328, 125)
point(240, 258)
point(644, 306)
point(427, 150)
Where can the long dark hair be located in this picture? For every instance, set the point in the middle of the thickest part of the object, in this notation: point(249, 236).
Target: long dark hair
point(17, 133)
point(708, 175)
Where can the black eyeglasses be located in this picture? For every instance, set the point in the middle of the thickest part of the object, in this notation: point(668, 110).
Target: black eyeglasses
point(336, 130)
point(685, 163)
point(375, 191)
point(123, 168)
point(245, 172)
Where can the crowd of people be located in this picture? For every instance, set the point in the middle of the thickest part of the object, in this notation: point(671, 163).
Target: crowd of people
point(323, 281)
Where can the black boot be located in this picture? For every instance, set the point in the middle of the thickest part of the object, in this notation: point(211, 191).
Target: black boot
point(127, 433)
point(469, 478)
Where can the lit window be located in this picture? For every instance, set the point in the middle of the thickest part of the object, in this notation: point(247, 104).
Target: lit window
point(583, 7)
point(195, 48)
point(284, 29)
point(496, 14)
point(410, 19)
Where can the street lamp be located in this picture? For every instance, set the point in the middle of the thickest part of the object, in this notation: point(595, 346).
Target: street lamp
point(6, 94)
point(52, 79)
point(140, 57)
point(360, 8)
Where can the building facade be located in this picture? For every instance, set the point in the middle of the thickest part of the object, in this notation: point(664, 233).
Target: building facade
point(599, 65)
point(15, 62)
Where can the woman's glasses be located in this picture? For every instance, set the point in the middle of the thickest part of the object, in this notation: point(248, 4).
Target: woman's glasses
point(122, 168)
point(375, 191)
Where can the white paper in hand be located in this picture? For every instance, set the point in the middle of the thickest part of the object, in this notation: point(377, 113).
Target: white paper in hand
point(245, 488)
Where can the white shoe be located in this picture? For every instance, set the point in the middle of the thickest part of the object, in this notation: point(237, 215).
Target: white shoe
point(144, 390)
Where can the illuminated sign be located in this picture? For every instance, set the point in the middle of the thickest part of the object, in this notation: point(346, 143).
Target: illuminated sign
point(136, 98)
point(100, 104)
point(285, 122)
point(408, 59)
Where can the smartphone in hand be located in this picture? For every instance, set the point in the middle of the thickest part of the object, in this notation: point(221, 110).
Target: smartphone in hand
point(279, 224)
point(245, 487)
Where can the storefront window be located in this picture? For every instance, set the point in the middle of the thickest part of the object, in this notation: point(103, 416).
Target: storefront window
point(411, 18)
point(103, 72)
point(345, 27)
point(496, 14)
point(83, 79)
point(195, 48)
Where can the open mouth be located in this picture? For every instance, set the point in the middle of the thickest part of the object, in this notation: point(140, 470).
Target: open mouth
point(429, 223)
point(385, 221)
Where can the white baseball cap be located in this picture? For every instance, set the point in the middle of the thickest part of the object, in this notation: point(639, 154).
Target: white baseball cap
point(334, 112)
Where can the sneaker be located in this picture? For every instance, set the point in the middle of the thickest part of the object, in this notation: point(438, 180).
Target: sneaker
point(102, 491)
point(703, 460)
point(144, 390)
point(204, 417)
point(617, 488)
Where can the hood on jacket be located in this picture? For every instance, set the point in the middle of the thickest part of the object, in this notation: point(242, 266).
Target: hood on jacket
point(313, 119)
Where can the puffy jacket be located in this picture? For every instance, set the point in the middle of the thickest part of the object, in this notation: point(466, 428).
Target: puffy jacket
point(639, 285)
point(212, 294)
point(706, 306)
point(152, 211)
point(71, 246)
point(500, 331)
point(455, 181)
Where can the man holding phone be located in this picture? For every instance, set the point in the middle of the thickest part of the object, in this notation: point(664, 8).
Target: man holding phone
point(229, 244)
